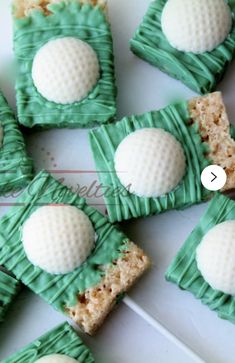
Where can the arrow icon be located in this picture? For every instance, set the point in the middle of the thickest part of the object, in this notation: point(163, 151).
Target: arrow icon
point(215, 177)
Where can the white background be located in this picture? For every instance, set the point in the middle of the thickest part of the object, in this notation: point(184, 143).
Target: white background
point(125, 337)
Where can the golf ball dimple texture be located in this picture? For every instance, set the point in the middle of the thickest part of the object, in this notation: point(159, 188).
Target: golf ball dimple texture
point(215, 257)
point(56, 358)
point(65, 70)
point(196, 26)
point(150, 162)
point(58, 239)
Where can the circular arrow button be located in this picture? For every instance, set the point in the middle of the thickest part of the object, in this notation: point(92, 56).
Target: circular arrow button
point(213, 177)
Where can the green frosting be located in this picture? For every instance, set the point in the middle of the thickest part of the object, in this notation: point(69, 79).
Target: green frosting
point(9, 287)
point(85, 22)
point(232, 131)
point(201, 72)
point(59, 290)
point(184, 272)
point(61, 340)
point(123, 205)
point(15, 166)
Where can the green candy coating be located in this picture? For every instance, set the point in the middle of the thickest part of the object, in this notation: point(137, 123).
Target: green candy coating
point(61, 340)
point(15, 166)
point(200, 72)
point(71, 19)
point(183, 270)
point(121, 204)
point(9, 287)
point(58, 290)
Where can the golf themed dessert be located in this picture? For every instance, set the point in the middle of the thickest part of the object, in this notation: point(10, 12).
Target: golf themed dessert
point(60, 345)
point(68, 253)
point(16, 166)
point(205, 264)
point(64, 250)
point(155, 160)
point(192, 41)
point(64, 53)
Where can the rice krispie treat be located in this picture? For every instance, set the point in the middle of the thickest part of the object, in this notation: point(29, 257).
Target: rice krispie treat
point(64, 52)
point(205, 264)
point(16, 166)
point(9, 287)
point(193, 41)
point(60, 345)
point(151, 163)
point(68, 253)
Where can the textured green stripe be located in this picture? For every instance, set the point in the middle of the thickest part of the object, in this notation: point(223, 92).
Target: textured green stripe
point(61, 340)
point(87, 23)
point(9, 287)
point(184, 272)
point(15, 166)
point(123, 205)
point(201, 72)
point(58, 290)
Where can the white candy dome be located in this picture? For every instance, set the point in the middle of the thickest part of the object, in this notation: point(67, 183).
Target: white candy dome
point(56, 358)
point(150, 162)
point(65, 70)
point(196, 26)
point(58, 239)
point(215, 257)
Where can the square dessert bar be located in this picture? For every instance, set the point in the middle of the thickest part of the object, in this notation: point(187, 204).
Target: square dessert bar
point(89, 292)
point(61, 340)
point(200, 72)
point(64, 51)
point(202, 128)
point(184, 269)
point(9, 287)
point(16, 166)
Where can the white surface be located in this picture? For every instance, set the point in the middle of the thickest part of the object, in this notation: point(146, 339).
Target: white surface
point(150, 162)
point(162, 330)
point(58, 238)
point(56, 358)
point(196, 26)
point(65, 70)
point(124, 337)
point(213, 177)
point(215, 257)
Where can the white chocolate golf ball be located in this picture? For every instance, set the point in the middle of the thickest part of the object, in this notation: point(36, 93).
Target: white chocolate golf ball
point(150, 162)
point(196, 26)
point(58, 239)
point(65, 70)
point(215, 257)
point(56, 358)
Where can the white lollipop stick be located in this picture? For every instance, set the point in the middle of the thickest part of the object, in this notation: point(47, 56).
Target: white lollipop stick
point(162, 329)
